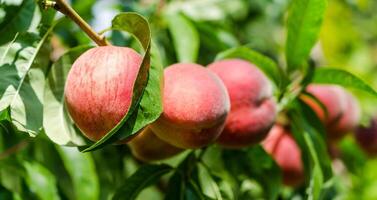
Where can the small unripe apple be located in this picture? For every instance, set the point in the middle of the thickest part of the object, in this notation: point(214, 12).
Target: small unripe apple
point(253, 109)
point(343, 112)
point(287, 154)
point(99, 88)
point(366, 137)
point(195, 103)
point(146, 146)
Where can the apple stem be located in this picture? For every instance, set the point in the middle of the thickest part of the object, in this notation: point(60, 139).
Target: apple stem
point(66, 9)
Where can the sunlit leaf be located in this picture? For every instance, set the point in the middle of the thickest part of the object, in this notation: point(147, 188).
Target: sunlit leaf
point(343, 78)
point(304, 23)
point(185, 37)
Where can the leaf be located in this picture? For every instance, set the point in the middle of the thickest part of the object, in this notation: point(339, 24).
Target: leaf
point(268, 66)
point(340, 77)
point(176, 187)
point(142, 178)
point(41, 181)
point(304, 23)
point(81, 169)
point(146, 104)
point(23, 65)
point(255, 163)
point(57, 124)
point(18, 19)
point(185, 37)
point(313, 147)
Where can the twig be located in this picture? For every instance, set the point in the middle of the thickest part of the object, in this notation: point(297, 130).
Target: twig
point(63, 7)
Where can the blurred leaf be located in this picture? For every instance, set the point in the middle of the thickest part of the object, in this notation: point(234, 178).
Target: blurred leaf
point(268, 66)
point(304, 23)
point(176, 187)
point(210, 10)
point(341, 77)
point(255, 163)
point(58, 126)
point(82, 171)
point(138, 26)
point(41, 182)
point(142, 178)
point(312, 143)
point(185, 37)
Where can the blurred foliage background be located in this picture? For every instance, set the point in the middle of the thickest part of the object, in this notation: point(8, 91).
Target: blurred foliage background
point(38, 169)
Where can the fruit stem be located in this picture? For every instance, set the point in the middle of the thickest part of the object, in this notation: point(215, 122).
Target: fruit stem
point(66, 9)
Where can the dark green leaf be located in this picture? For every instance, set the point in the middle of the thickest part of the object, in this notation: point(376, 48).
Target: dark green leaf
point(185, 37)
point(304, 23)
point(142, 178)
point(341, 77)
point(255, 163)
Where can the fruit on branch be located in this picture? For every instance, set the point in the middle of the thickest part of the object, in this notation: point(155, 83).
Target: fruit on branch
point(366, 137)
point(195, 103)
point(99, 88)
point(343, 112)
point(253, 109)
point(146, 146)
point(287, 154)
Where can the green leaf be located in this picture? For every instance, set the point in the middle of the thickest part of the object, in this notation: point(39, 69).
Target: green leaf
point(142, 178)
point(57, 124)
point(268, 66)
point(255, 163)
point(23, 65)
point(146, 104)
point(304, 23)
point(340, 77)
point(82, 171)
point(41, 182)
point(18, 19)
point(185, 37)
point(176, 187)
point(311, 140)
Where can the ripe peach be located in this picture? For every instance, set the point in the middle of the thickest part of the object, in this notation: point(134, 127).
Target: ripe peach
point(282, 147)
point(343, 112)
point(366, 137)
point(196, 105)
point(99, 88)
point(146, 146)
point(253, 109)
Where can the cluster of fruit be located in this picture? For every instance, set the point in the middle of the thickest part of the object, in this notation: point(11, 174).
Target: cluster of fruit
point(229, 102)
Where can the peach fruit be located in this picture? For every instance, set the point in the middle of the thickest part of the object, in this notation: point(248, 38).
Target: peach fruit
point(283, 148)
point(253, 109)
point(99, 88)
point(343, 112)
point(195, 103)
point(366, 137)
point(146, 146)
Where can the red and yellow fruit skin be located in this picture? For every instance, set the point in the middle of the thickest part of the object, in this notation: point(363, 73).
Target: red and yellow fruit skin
point(253, 110)
point(195, 103)
point(366, 137)
point(147, 147)
point(99, 88)
point(343, 112)
point(282, 147)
